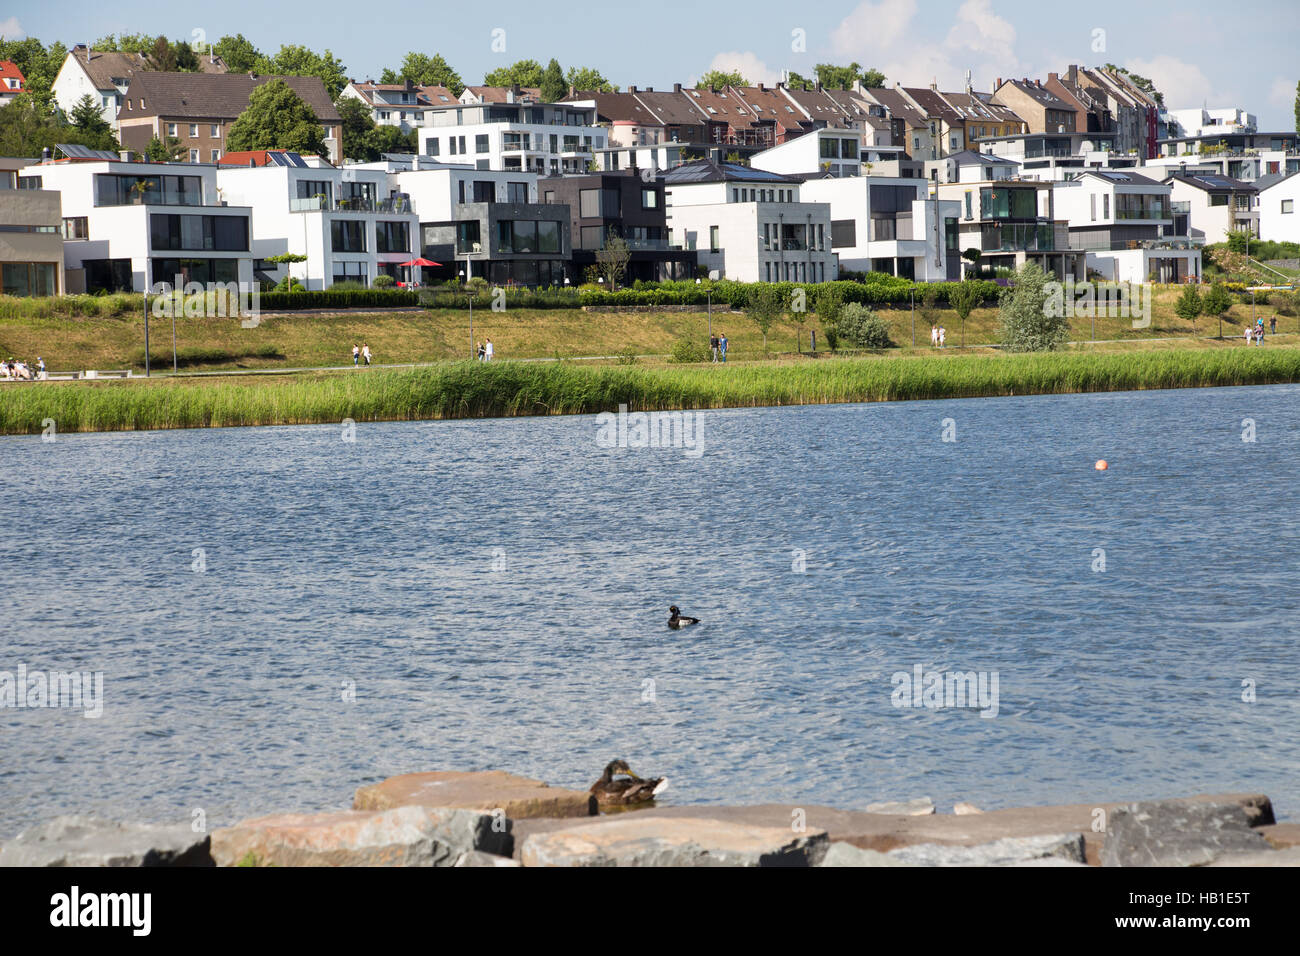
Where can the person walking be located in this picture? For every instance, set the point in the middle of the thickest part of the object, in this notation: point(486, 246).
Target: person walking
point(40, 364)
point(934, 336)
point(365, 353)
point(1248, 336)
point(943, 336)
point(722, 347)
point(487, 351)
point(480, 351)
point(1272, 325)
point(713, 348)
point(356, 355)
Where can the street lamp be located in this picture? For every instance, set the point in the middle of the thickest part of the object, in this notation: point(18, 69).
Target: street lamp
point(709, 296)
point(470, 298)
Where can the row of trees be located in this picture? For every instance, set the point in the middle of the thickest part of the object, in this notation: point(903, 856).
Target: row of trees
point(829, 75)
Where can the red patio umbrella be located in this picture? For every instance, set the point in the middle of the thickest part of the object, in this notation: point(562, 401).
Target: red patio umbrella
point(420, 261)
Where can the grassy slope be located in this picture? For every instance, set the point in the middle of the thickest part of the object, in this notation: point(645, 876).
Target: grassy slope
point(470, 389)
point(302, 340)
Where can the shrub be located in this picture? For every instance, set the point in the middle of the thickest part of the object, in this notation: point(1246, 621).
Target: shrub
point(384, 281)
point(861, 327)
point(1027, 324)
point(627, 356)
point(686, 351)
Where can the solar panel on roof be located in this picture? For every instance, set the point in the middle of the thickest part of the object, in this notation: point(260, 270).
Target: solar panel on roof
point(77, 151)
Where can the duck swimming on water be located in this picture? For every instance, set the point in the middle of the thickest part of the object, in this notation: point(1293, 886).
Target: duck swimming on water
point(629, 790)
point(676, 621)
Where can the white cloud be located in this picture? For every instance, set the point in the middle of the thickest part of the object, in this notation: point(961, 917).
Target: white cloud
point(748, 64)
point(1282, 93)
point(1184, 85)
point(11, 29)
point(885, 36)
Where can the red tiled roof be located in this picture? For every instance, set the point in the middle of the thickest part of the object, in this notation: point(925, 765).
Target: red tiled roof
point(9, 70)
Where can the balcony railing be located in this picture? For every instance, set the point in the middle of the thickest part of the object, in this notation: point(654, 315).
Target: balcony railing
point(323, 204)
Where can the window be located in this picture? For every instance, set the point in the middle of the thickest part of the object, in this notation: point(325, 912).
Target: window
point(214, 131)
point(649, 199)
point(713, 239)
point(969, 214)
point(171, 127)
point(481, 143)
point(347, 235)
point(484, 191)
point(518, 192)
point(311, 188)
point(1105, 206)
point(75, 228)
point(548, 236)
point(593, 237)
point(548, 197)
point(216, 154)
point(178, 232)
point(589, 204)
point(451, 145)
point(392, 237)
point(1288, 206)
point(1218, 200)
point(517, 236)
point(194, 156)
point(351, 272)
point(1093, 198)
point(431, 146)
point(194, 130)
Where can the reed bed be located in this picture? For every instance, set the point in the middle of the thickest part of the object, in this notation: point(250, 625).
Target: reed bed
point(478, 390)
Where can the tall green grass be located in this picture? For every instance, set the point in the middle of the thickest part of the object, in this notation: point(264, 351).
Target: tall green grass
point(472, 389)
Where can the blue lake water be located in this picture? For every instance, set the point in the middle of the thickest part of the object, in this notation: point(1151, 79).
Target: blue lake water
point(378, 565)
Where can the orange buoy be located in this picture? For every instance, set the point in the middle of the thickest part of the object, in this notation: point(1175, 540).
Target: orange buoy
point(1102, 465)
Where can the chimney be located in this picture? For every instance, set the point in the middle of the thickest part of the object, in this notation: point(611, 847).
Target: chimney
point(631, 89)
point(1053, 76)
point(677, 87)
point(761, 88)
point(126, 155)
point(649, 89)
point(997, 84)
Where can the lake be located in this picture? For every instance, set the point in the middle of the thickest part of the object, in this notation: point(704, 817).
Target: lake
point(281, 615)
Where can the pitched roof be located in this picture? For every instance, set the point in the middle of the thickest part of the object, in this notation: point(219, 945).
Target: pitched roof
point(711, 171)
point(973, 106)
point(498, 94)
point(425, 96)
point(103, 68)
point(215, 95)
point(671, 108)
point(899, 107)
point(1120, 177)
point(1042, 97)
point(821, 106)
point(934, 105)
point(1272, 179)
point(968, 157)
point(1212, 182)
point(770, 104)
point(9, 70)
point(722, 107)
point(616, 107)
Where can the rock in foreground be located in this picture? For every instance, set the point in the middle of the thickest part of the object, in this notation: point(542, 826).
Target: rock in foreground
point(404, 836)
point(1178, 833)
point(677, 841)
point(1067, 847)
point(519, 798)
point(87, 841)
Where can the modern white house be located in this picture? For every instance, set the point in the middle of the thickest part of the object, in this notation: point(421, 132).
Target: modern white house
point(1215, 205)
point(1279, 199)
point(129, 225)
point(347, 222)
point(1011, 222)
point(969, 166)
point(547, 138)
point(1126, 222)
point(1209, 122)
point(838, 152)
point(890, 224)
point(749, 224)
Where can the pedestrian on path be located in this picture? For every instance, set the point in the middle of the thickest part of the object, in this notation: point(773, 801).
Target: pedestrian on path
point(356, 355)
point(480, 351)
point(722, 345)
point(365, 353)
point(487, 351)
point(713, 348)
point(934, 336)
point(943, 336)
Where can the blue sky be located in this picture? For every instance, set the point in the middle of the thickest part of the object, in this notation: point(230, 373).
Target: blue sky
point(1197, 52)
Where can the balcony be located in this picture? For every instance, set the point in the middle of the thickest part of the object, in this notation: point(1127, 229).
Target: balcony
point(323, 204)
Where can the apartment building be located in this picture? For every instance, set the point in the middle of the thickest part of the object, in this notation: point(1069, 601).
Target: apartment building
point(347, 222)
point(546, 138)
point(607, 204)
point(129, 225)
point(1216, 205)
point(1278, 197)
point(404, 105)
point(31, 241)
point(889, 224)
point(198, 109)
point(1125, 223)
point(749, 224)
point(1233, 155)
point(909, 126)
point(1012, 222)
point(483, 223)
point(1042, 110)
point(106, 77)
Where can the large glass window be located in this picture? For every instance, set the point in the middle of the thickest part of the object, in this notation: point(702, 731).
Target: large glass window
point(29, 278)
point(175, 232)
point(589, 203)
point(112, 189)
point(392, 237)
point(202, 271)
point(517, 192)
point(347, 235)
point(467, 237)
point(484, 191)
point(481, 143)
point(1007, 203)
point(548, 236)
point(351, 272)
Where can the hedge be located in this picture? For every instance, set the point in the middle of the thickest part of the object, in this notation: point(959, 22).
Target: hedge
point(339, 299)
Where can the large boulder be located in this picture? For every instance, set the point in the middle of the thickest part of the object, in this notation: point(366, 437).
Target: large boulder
point(88, 841)
point(518, 797)
point(1010, 851)
point(638, 840)
point(1178, 833)
point(920, 807)
point(403, 836)
point(846, 854)
point(1288, 857)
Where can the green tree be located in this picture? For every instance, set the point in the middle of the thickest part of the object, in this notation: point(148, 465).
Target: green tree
point(1189, 305)
point(39, 65)
point(164, 150)
point(425, 70)
point(187, 61)
point(861, 327)
point(589, 80)
point(873, 79)
point(612, 259)
point(553, 86)
point(1028, 325)
point(300, 61)
point(391, 139)
point(1297, 107)
point(963, 297)
point(1216, 303)
point(796, 81)
point(717, 79)
point(833, 77)
point(277, 118)
point(141, 43)
point(830, 304)
point(239, 55)
point(89, 120)
point(1141, 82)
point(358, 128)
point(765, 307)
point(162, 57)
point(521, 73)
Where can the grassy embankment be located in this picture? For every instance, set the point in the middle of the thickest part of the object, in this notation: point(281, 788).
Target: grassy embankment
point(112, 337)
point(472, 389)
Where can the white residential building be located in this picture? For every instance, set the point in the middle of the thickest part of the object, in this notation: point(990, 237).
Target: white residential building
point(128, 225)
point(1279, 207)
point(547, 138)
point(346, 221)
point(1207, 122)
point(1215, 205)
point(838, 152)
point(889, 224)
point(749, 224)
point(1125, 222)
point(404, 105)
